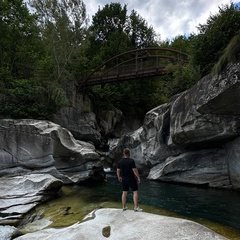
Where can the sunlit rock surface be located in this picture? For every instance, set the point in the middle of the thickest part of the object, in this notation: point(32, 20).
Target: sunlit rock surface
point(117, 224)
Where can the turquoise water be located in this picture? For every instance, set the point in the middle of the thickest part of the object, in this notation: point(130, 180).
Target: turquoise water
point(220, 206)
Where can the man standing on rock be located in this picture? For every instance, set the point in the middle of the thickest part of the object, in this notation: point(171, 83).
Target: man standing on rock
point(126, 172)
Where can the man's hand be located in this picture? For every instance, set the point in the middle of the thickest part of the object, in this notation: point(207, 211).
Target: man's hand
point(136, 174)
point(138, 180)
point(119, 175)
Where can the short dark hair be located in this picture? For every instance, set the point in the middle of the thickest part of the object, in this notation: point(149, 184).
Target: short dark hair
point(126, 152)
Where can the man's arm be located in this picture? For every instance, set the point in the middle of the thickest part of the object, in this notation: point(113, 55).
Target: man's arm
point(118, 175)
point(136, 174)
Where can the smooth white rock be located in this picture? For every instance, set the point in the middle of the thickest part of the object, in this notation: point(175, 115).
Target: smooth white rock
point(127, 225)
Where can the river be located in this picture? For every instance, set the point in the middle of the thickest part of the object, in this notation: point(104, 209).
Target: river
point(215, 208)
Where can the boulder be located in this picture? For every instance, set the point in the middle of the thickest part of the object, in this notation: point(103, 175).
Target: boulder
point(108, 119)
point(83, 126)
point(118, 224)
point(34, 146)
point(205, 167)
point(188, 126)
point(20, 194)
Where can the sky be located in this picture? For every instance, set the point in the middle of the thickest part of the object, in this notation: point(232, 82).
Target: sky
point(169, 18)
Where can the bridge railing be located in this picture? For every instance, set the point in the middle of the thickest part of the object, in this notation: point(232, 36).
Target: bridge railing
point(135, 64)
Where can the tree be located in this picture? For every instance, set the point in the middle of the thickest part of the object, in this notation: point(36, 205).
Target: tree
point(63, 25)
point(20, 44)
point(140, 34)
point(22, 53)
point(107, 36)
point(214, 36)
point(113, 32)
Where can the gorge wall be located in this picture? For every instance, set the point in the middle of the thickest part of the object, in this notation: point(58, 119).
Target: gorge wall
point(195, 137)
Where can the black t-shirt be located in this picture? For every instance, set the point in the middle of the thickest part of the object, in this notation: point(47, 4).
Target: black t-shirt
point(126, 165)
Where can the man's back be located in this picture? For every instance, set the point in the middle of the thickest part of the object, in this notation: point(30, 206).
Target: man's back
point(126, 165)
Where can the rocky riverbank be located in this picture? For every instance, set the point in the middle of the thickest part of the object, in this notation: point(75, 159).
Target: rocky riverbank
point(117, 224)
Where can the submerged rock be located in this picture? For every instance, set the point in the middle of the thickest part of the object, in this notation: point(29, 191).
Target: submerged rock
point(117, 224)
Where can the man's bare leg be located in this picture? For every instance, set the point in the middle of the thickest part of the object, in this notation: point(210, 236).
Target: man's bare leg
point(124, 198)
point(135, 199)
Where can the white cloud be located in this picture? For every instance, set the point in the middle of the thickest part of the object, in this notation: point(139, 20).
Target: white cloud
point(169, 18)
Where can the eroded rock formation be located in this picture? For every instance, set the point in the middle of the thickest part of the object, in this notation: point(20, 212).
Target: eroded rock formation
point(20, 194)
point(32, 146)
point(193, 138)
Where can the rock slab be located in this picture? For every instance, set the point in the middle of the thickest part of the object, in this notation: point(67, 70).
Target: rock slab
point(20, 194)
point(117, 224)
point(35, 146)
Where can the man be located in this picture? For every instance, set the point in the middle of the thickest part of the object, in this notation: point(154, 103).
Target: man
point(126, 172)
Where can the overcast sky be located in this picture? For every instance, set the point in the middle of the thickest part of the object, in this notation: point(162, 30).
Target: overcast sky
point(169, 18)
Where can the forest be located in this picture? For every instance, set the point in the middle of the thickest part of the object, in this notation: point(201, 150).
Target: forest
point(48, 46)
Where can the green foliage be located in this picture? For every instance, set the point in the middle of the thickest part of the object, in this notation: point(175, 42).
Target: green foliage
point(180, 43)
point(58, 96)
point(62, 25)
point(231, 54)
point(133, 98)
point(21, 49)
point(180, 78)
point(113, 32)
point(20, 44)
point(140, 34)
point(24, 98)
point(214, 36)
point(21, 100)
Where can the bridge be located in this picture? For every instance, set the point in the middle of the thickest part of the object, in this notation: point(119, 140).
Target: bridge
point(134, 64)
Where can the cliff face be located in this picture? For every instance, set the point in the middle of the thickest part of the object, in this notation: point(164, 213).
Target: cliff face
point(193, 138)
